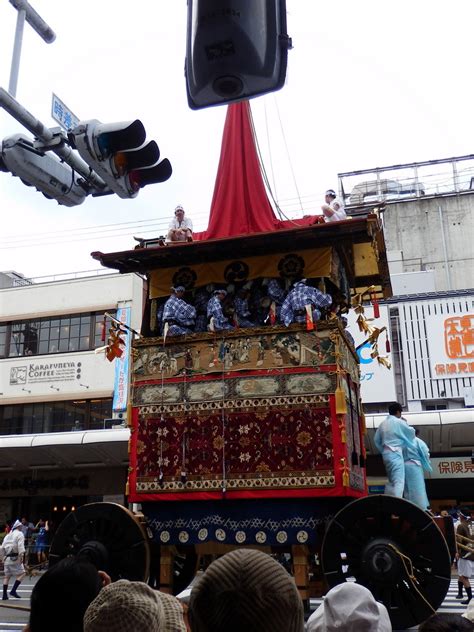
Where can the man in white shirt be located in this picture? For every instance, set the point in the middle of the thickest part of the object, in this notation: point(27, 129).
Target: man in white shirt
point(333, 210)
point(180, 228)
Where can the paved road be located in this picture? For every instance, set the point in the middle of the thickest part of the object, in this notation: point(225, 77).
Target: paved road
point(15, 620)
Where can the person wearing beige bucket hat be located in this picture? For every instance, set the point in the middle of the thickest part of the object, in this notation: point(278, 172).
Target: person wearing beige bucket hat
point(128, 606)
point(246, 591)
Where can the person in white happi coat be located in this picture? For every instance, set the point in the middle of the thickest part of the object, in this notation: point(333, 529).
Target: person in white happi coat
point(12, 552)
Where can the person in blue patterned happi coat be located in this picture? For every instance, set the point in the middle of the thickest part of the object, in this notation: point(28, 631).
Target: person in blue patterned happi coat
point(215, 315)
point(293, 309)
point(177, 314)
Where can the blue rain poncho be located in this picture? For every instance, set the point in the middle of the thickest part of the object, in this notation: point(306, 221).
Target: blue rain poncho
point(417, 459)
point(391, 437)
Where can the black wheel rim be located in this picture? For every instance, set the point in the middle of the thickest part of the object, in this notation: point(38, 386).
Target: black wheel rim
point(380, 541)
point(108, 535)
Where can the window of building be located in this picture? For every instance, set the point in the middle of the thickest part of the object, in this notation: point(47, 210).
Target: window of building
point(66, 416)
point(62, 334)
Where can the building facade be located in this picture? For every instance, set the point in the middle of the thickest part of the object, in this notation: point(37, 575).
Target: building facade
point(63, 437)
point(428, 216)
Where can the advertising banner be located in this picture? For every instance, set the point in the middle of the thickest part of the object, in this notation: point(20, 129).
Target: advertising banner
point(377, 382)
point(451, 345)
point(122, 364)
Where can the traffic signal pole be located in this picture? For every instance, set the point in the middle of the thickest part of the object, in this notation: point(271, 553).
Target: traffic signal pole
point(26, 12)
point(44, 134)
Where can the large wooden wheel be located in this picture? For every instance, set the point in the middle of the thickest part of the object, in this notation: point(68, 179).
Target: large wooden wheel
point(394, 549)
point(109, 536)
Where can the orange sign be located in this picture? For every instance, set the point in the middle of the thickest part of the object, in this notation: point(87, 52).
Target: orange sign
point(459, 336)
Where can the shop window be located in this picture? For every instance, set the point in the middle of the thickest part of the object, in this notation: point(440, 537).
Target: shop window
point(78, 332)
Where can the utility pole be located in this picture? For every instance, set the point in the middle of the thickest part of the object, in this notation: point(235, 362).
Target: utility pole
point(26, 12)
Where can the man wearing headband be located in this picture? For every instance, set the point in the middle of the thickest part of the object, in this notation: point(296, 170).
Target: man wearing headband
point(178, 316)
point(180, 228)
point(333, 210)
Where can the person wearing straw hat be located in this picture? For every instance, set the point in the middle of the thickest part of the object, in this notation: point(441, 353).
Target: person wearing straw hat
point(12, 552)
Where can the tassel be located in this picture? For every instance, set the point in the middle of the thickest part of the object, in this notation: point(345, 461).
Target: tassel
point(183, 477)
point(129, 415)
point(165, 331)
point(153, 310)
point(387, 344)
point(376, 307)
point(212, 326)
point(127, 488)
point(342, 428)
point(272, 313)
point(341, 406)
point(309, 318)
point(345, 478)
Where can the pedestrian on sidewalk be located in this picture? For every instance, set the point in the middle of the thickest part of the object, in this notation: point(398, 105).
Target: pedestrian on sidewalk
point(12, 552)
point(463, 538)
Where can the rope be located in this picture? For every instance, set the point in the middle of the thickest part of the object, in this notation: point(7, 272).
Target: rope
point(288, 152)
point(411, 576)
point(13, 607)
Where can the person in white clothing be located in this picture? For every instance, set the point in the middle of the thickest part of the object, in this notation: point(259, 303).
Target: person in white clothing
point(12, 553)
point(333, 210)
point(180, 228)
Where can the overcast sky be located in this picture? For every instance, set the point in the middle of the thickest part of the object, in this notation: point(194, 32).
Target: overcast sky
point(369, 84)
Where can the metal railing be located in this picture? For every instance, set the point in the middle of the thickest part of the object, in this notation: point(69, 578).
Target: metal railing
point(407, 182)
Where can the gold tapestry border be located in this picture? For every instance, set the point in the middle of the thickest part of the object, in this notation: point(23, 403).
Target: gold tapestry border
point(269, 482)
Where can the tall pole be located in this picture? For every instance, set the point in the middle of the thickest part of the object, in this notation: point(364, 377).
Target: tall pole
point(15, 67)
point(26, 12)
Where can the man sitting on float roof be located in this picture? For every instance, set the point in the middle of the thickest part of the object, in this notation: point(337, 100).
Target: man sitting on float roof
point(293, 309)
point(215, 315)
point(178, 315)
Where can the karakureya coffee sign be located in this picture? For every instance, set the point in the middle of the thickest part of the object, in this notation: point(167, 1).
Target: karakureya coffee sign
point(36, 372)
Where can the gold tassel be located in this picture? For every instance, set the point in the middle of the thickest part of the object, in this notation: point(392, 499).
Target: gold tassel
point(129, 414)
point(341, 406)
point(342, 428)
point(127, 488)
point(345, 478)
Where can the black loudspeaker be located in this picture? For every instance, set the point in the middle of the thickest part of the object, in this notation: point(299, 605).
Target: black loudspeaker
point(235, 50)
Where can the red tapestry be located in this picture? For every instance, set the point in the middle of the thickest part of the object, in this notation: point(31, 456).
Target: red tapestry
point(273, 450)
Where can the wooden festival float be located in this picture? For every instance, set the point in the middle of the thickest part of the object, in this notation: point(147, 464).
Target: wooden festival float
point(255, 436)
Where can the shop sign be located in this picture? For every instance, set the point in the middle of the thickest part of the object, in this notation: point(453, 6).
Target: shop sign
point(55, 371)
point(451, 467)
point(451, 345)
point(51, 483)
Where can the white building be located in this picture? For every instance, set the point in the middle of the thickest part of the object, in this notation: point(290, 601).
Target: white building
point(428, 218)
point(63, 438)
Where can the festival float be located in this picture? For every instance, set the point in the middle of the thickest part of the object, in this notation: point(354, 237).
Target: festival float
point(254, 436)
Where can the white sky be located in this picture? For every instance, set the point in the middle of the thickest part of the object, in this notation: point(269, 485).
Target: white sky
point(369, 84)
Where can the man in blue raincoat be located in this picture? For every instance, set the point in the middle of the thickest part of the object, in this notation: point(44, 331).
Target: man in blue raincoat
point(391, 437)
point(417, 459)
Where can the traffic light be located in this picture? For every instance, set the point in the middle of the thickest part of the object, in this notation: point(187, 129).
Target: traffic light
point(53, 178)
point(115, 342)
point(234, 52)
point(117, 153)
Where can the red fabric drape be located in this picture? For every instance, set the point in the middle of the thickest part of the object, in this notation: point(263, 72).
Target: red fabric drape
point(239, 205)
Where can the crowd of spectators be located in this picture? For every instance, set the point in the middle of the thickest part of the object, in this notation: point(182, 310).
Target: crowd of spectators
point(242, 591)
